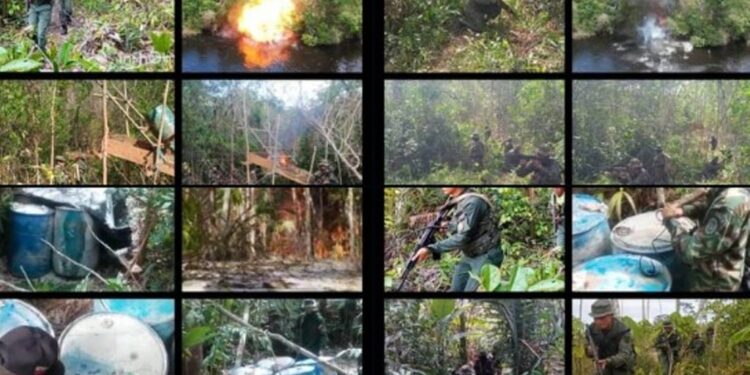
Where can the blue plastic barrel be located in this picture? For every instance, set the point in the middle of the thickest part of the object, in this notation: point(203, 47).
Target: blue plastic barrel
point(157, 313)
point(109, 343)
point(622, 273)
point(73, 238)
point(645, 234)
point(15, 313)
point(306, 367)
point(590, 228)
point(29, 225)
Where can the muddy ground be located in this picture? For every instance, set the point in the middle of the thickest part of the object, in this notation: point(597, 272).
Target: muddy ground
point(266, 275)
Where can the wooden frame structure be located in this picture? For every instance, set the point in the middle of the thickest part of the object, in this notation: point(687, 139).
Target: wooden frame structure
point(290, 172)
point(139, 152)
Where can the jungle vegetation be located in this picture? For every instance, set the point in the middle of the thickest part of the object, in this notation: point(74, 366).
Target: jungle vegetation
point(114, 36)
point(439, 336)
point(726, 353)
point(694, 122)
point(705, 23)
point(146, 265)
point(54, 132)
point(532, 262)
point(429, 125)
point(272, 238)
point(301, 123)
point(316, 22)
point(214, 343)
point(429, 37)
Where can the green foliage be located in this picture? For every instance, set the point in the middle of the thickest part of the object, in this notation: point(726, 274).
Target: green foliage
point(615, 121)
point(204, 324)
point(522, 279)
point(331, 22)
point(105, 36)
point(428, 127)
point(427, 36)
point(417, 341)
point(526, 234)
point(728, 353)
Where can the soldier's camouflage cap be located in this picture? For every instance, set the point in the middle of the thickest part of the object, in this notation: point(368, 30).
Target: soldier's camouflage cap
point(601, 308)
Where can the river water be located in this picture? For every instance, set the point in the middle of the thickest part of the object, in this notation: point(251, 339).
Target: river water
point(204, 53)
point(610, 54)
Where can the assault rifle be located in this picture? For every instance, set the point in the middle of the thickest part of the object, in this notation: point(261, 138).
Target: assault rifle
point(427, 237)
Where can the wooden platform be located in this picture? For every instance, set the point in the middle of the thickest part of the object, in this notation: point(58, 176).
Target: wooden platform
point(139, 152)
point(290, 172)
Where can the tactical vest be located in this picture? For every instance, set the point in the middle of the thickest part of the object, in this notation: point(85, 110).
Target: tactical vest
point(42, 2)
point(608, 345)
point(487, 237)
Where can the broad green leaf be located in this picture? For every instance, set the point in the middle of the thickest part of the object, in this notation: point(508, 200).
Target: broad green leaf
point(490, 277)
point(196, 336)
point(21, 65)
point(550, 285)
point(440, 308)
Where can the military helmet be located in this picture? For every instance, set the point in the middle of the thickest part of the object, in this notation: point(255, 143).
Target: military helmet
point(658, 148)
point(635, 163)
point(666, 323)
point(475, 136)
point(601, 308)
point(309, 303)
point(324, 163)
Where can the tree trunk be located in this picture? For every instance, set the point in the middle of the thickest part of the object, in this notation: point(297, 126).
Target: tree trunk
point(352, 225)
point(308, 224)
point(243, 338)
point(52, 143)
point(105, 142)
point(253, 213)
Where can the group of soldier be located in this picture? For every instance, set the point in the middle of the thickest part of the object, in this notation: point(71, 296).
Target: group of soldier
point(635, 173)
point(610, 343)
point(39, 16)
point(542, 167)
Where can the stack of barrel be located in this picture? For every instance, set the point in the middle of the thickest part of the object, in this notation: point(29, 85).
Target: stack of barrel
point(33, 228)
point(119, 336)
point(636, 255)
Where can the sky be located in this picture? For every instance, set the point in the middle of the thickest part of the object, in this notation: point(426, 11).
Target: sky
point(295, 92)
point(632, 308)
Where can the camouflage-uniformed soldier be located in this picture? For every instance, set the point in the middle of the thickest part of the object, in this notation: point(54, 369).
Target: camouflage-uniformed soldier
point(40, 12)
point(610, 340)
point(716, 251)
point(668, 346)
point(311, 328)
point(477, 13)
point(637, 175)
point(660, 165)
point(66, 15)
point(511, 156)
point(473, 230)
point(324, 175)
point(545, 169)
point(697, 346)
point(711, 170)
point(476, 152)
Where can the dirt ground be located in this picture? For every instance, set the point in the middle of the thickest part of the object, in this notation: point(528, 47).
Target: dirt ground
point(262, 275)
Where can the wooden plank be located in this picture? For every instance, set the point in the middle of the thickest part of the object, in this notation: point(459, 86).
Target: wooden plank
point(132, 150)
point(291, 172)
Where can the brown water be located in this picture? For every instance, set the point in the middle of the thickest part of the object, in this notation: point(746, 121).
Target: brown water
point(611, 54)
point(204, 53)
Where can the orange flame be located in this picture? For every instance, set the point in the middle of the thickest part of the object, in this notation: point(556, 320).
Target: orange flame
point(266, 21)
point(261, 55)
